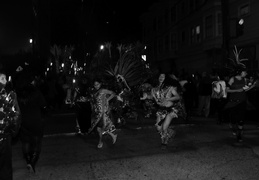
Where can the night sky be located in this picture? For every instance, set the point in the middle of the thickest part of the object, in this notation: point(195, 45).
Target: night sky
point(15, 24)
point(98, 21)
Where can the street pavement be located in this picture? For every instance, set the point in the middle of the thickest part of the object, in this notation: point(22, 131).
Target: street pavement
point(201, 150)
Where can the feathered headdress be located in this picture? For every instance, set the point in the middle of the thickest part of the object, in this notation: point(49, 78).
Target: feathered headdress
point(237, 62)
point(129, 69)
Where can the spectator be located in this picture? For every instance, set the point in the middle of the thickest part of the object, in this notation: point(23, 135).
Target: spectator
point(219, 98)
point(81, 100)
point(32, 104)
point(204, 91)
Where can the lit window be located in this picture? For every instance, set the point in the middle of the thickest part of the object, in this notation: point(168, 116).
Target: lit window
point(198, 29)
point(209, 26)
point(244, 10)
point(144, 57)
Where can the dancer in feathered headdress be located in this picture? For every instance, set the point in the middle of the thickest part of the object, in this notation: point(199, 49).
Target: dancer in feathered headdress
point(129, 71)
point(237, 98)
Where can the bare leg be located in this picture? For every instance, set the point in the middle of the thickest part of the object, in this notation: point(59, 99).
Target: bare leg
point(114, 137)
point(100, 132)
point(167, 122)
point(166, 134)
point(159, 128)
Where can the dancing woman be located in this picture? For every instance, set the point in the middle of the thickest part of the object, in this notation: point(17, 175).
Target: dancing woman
point(101, 113)
point(167, 95)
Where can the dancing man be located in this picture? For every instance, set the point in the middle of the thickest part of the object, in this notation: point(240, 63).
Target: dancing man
point(237, 98)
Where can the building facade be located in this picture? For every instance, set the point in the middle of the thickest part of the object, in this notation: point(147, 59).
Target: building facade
point(199, 35)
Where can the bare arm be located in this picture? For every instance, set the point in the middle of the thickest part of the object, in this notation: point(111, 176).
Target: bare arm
point(146, 96)
point(174, 95)
point(111, 93)
point(230, 82)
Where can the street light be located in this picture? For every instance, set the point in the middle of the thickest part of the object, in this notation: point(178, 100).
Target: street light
point(101, 47)
point(31, 45)
point(240, 27)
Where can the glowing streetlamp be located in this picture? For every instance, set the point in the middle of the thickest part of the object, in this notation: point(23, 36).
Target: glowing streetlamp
point(102, 47)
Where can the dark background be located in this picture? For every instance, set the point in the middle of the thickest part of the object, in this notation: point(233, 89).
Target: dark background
point(71, 22)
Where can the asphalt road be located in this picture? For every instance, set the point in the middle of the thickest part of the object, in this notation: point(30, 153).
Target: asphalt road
point(201, 150)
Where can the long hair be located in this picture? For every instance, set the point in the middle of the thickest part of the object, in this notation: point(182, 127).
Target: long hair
point(170, 82)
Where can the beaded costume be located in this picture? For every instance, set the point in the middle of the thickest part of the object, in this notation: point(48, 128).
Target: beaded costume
point(176, 109)
point(101, 112)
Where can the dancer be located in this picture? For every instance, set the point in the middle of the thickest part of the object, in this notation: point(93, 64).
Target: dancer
point(101, 113)
point(168, 97)
point(236, 104)
point(9, 127)
point(237, 88)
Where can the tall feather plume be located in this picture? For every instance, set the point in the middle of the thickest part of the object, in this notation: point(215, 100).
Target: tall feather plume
point(237, 62)
point(129, 68)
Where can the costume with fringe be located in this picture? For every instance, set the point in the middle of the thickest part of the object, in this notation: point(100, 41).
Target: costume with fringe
point(177, 110)
point(101, 112)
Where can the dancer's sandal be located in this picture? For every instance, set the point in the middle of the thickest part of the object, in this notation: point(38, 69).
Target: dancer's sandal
point(114, 138)
point(163, 146)
point(100, 145)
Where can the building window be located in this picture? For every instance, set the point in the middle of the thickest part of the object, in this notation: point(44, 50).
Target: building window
point(173, 42)
point(159, 22)
point(183, 38)
point(154, 24)
point(192, 7)
point(196, 34)
point(197, 3)
point(173, 14)
point(182, 10)
point(219, 24)
point(166, 17)
point(244, 10)
point(208, 26)
point(167, 43)
point(192, 35)
point(155, 48)
point(160, 46)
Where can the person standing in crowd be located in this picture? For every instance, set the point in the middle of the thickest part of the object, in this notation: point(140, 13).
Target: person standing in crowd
point(168, 97)
point(101, 117)
point(9, 127)
point(237, 99)
point(189, 95)
point(204, 91)
point(32, 104)
point(219, 98)
point(81, 101)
